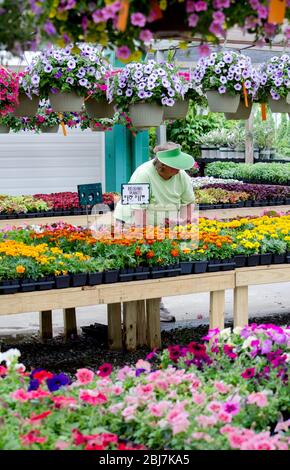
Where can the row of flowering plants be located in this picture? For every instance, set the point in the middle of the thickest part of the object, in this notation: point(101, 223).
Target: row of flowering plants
point(137, 254)
point(229, 392)
point(242, 194)
point(66, 203)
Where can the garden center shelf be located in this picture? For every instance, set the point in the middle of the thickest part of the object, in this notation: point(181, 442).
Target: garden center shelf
point(141, 305)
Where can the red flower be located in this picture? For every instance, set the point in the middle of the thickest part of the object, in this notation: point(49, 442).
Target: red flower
point(42, 375)
point(105, 370)
point(150, 254)
point(248, 373)
point(34, 418)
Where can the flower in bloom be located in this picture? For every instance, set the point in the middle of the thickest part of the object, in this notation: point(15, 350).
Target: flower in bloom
point(92, 398)
point(105, 370)
point(3, 371)
point(248, 373)
point(138, 19)
point(123, 52)
point(231, 407)
point(145, 35)
point(32, 437)
point(259, 398)
point(57, 381)
point(84, 376)
point(38, 418)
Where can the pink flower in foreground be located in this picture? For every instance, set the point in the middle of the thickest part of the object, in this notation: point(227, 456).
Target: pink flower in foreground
point(231, 407)
point(85, 376)
point(63, 402)
point(20, 395)
point(259, 399)
point(225, 417)
point(145, 35)
point(203, 50)
point(221, 387)
point(206, 421)
point(105, 370)
point(32, 437)
point(141, 364)
point(3, 371)
point(92, 398)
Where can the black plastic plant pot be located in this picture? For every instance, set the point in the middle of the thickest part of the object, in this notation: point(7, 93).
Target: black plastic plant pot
point(141, 273)
point(214, 266)
point(3, 216)
point(172, 270)
point(199, 267)
point(186, 267)
point(9, 287)
point(287, 200)
point(27, 285)
point(241, 204)
point(157, 272)
point(62, 282)
point(126, 275)
point(219, 206)
point(288, 257)
point(94, 279)
point(111, 276)
point(256, 203)
point(78, 279)
point(248, 203)
point(279, 259)
point(45, 283)
point(240, 261)
point(228, 264)
point(265, 259)
point(253, 260)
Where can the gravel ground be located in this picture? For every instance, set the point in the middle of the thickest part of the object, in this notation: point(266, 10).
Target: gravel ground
point(91, 351)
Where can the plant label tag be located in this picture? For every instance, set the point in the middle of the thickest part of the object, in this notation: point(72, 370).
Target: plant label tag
point(135, 193)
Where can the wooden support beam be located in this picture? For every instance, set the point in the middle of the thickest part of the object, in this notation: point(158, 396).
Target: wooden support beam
point(217, 309)
point(70, 323)
point(153, 323)
point(45, 324)
point(241, 307)
point(114, 326)
point(129, 325)
point(141, 323)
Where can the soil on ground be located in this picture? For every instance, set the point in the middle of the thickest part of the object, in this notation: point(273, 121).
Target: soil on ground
point(90, 349)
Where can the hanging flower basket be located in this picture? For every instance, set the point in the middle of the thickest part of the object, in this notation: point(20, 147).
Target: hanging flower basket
point(99, 109)
point(27, 106)
point(222, 103)
point(4, 129)
point(242, 113)
point(50, 129)
point(66, 102)
point(178, 111)
point(145, 115)
point(279, 106)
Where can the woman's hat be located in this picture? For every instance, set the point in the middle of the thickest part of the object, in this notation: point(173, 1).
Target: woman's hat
point(175, 158)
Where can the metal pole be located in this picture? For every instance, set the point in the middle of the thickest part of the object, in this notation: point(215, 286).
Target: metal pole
point(250, 139)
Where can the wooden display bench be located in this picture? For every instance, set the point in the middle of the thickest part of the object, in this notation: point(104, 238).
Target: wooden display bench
point(246, 277)
point(140, 301)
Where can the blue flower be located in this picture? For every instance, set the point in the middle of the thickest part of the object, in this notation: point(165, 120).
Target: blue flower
point(33, 385)
point(56, 382)
point(139, 372)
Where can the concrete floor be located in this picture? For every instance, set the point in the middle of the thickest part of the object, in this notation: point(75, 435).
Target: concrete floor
point(263, 300)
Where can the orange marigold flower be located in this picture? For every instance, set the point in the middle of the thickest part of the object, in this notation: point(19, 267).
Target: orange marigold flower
point(20, 269)
point(138, 252)
point(174, 253)
point(150, 254)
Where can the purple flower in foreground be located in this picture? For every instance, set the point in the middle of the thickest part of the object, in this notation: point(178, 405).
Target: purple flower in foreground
point(56, 382)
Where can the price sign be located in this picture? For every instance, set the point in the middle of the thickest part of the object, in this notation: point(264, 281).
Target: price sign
point(135, 193)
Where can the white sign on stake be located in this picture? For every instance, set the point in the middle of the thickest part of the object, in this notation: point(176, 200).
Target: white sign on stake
point(135, 193)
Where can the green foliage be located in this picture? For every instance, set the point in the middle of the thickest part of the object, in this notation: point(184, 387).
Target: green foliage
point(187, 132)
point(260, 172)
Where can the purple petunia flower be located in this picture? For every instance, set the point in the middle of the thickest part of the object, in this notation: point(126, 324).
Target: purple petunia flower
point(57, 381)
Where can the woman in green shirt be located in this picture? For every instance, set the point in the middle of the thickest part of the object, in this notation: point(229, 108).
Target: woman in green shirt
point(171, 193)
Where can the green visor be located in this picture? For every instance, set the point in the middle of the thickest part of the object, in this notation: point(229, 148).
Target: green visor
point(175, 159)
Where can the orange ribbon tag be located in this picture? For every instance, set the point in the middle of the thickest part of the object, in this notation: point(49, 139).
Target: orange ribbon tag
point(245, 95)
point(123, 16)
point(277, 11)
point(263, 111)
point(62, 124)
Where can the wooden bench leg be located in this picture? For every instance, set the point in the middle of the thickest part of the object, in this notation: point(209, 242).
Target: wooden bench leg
point(217, 309)
point(114, 326)
point(129, 325)
point(241, 308)
point(45, 324)
point(141, 323)
point(70, 324)
point(153, 323)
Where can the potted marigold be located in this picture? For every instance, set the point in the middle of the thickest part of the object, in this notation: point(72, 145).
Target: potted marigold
point(229, 81)
point(143, 89)
point(67, 75)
